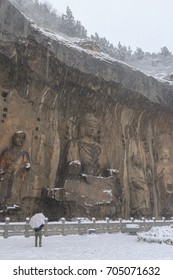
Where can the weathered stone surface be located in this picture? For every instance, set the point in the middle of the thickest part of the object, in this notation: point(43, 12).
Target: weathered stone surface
point(89, 44)
point(48, 88)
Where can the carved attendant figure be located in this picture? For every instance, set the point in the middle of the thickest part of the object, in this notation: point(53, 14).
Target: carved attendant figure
point(165, 170)
point(164, 182)
point(139, 191)
point(14, 162)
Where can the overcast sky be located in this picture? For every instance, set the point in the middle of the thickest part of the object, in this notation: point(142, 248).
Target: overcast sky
point(138, 23)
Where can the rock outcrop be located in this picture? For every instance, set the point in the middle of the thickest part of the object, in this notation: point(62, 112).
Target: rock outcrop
point(98, 132)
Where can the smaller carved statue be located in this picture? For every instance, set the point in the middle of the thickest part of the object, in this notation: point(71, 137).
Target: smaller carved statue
point(14, 163)
point(139, 192)
point(164, 183)
point(165, 170)
point(86, 150)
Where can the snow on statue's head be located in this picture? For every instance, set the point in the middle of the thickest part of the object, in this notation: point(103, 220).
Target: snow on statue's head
point(18, 138)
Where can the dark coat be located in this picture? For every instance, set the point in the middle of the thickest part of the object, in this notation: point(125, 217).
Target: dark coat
point(39, 228)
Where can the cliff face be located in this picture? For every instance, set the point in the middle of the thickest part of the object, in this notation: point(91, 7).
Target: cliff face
point(99, 133)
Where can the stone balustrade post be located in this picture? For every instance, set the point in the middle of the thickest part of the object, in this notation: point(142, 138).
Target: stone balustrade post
point(107, 225)
point(6, 226)
point(120, 223)
point(46, 227)
point(144, 225)
point(63, 226)
point(132, 219)
point(27, 227)
point(154, 220)
point(94, 222)
point(79, 226)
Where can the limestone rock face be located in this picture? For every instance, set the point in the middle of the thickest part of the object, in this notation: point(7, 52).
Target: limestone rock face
point(99, 133)
point(89, 44)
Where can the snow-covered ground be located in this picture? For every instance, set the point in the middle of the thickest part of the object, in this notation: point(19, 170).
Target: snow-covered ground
point(119, 246)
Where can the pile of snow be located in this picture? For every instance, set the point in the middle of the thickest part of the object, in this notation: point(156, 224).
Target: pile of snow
point(157, 234)
point(75, 162)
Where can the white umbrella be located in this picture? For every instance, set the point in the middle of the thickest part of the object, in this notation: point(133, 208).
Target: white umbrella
point(37, 220)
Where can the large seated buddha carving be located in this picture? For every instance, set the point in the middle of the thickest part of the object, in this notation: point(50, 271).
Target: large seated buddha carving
point(84, 180)
point(86, 151)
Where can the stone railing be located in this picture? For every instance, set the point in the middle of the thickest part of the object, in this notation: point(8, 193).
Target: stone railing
point(80, 227)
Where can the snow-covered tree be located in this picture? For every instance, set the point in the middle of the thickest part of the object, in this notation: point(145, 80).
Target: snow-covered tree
point(138, 54)
point(68, 22)
point(122, 52)
point(80, 30)
point(165, 52)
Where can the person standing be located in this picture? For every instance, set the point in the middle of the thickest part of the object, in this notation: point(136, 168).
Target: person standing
point(38, 235)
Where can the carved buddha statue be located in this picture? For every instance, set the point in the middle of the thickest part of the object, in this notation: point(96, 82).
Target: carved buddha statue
point(165, 170)
point(14, 163)
point(87, 150)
